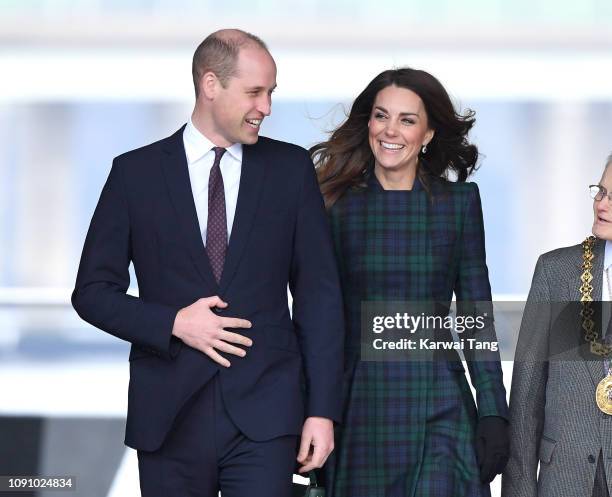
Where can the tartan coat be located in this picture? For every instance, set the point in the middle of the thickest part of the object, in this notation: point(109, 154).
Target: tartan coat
point(408, 426)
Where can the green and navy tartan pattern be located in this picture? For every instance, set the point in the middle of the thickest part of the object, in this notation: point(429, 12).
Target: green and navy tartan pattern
point(408, 427)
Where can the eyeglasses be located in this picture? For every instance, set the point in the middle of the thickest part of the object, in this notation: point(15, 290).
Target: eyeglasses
point(598, 192)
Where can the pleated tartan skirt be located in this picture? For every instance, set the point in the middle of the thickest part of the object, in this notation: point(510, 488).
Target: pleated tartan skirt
point(387, 447)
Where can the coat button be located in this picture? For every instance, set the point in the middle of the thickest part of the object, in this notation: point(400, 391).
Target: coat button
point(591, 458)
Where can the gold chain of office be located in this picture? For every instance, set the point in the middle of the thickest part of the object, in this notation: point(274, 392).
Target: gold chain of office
point(586, 299)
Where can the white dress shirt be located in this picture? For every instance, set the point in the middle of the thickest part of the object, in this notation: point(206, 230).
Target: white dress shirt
point(605, 290)
point(605, 287)
point(200, 158)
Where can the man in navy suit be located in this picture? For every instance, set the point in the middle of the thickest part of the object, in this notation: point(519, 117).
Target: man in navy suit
point(217, 222)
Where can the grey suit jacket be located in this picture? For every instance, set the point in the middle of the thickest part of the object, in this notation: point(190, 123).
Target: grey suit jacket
point(554, 419)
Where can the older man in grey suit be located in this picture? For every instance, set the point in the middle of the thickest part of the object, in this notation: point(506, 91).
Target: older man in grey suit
point(561, 396)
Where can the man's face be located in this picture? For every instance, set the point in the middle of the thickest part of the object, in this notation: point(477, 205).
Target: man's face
point(239, 109)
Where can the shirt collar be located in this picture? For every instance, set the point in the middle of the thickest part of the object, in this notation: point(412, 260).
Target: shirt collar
point(608, 255)
point(197, 145)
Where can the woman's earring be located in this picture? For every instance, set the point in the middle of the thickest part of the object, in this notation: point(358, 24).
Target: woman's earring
point(424, 149)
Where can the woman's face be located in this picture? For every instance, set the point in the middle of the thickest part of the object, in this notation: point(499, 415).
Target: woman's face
point(398, 128)
point(602, 210)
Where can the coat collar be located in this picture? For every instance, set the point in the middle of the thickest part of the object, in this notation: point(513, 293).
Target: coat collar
point(592, 363)
point(597, 272)
point(374, 184)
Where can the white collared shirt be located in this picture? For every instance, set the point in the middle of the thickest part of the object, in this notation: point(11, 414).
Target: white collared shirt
point(605, 287)
point(605, 292)
point(200, 158)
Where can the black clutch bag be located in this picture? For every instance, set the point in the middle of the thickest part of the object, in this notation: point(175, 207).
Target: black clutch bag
point(310, 490)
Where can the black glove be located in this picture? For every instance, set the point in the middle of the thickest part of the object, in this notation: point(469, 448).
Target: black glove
point(492, 446)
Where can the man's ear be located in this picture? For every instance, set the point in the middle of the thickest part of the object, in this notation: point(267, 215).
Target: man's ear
point(209, 85)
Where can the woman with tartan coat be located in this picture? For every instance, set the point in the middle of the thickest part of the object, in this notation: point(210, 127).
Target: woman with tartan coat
point(404, 233)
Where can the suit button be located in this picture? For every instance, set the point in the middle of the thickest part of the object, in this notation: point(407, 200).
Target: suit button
point(591, 458)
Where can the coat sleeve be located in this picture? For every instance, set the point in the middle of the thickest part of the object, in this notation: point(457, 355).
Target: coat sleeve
point(317, 301)
point(527, 397)
point(99, 296)
point(473, 293)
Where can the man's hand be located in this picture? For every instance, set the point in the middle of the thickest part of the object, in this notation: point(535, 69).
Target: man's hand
point(199, 327)
point(318, 433)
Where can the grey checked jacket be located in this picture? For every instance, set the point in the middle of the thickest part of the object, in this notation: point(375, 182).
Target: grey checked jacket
point(554, 419)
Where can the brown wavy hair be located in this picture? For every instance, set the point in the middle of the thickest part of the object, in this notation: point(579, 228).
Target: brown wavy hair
point(345, 160)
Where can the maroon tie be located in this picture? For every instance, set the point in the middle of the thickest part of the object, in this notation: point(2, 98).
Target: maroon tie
point(216, 229)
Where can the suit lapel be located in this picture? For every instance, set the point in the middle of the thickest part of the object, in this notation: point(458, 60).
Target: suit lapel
point(252, 178)
point(595, 367)
point(574, 282)
point(598, 269)
point(176, 174)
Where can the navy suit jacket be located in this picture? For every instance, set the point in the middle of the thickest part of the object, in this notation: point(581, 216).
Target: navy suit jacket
point(146, 214)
